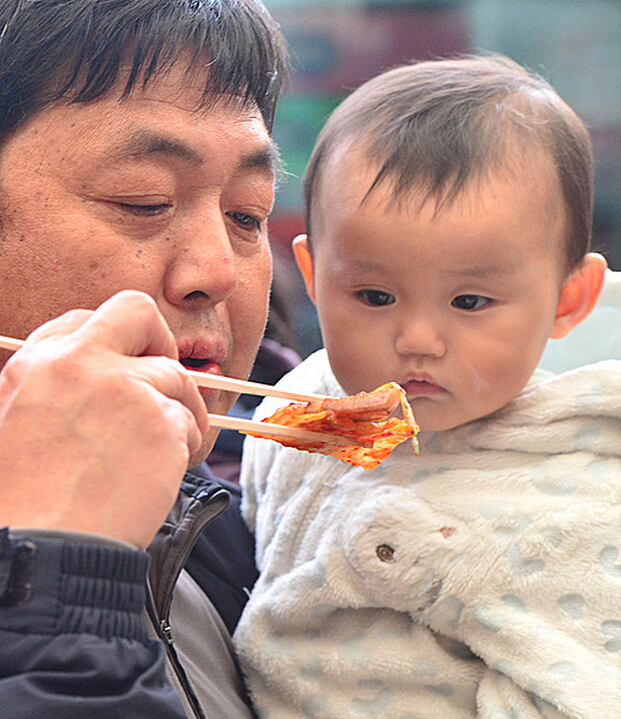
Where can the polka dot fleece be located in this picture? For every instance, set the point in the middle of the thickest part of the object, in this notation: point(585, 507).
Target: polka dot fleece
point(481, 579)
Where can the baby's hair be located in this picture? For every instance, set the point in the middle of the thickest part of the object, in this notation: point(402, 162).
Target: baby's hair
point(434, 127)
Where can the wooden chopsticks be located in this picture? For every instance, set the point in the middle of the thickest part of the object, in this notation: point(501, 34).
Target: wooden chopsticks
point(249, 426)
point(231, 384)
point(214, 381)
point(10, 343)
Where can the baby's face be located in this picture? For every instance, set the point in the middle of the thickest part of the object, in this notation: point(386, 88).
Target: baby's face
point(456, 306)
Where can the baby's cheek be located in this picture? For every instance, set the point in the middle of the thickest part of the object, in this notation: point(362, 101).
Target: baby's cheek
point(492, 382)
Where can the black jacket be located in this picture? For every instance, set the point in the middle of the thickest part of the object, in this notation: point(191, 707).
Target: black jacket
point(73, 641)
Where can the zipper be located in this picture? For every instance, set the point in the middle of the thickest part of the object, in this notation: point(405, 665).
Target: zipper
point(197, 526)
point(164, 632)
point(162, 626)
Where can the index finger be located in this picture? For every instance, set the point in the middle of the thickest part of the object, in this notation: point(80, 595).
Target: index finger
point(130, 323)
point(60, 326)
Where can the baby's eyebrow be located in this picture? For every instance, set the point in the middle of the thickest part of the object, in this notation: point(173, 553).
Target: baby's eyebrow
point(481, 271)
point(363, 264)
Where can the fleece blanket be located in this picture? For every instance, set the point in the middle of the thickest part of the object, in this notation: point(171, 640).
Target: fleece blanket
point(480, 579)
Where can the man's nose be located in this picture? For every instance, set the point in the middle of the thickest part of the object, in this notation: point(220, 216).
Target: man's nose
point(204, 264)
point(420, 335)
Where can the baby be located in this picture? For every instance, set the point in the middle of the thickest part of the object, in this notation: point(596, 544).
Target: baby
point(449, 209)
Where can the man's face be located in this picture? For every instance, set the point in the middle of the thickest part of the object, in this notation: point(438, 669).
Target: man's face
point(146, 194)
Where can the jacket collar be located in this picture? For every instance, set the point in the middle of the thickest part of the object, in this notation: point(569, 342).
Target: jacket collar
point(201, 499)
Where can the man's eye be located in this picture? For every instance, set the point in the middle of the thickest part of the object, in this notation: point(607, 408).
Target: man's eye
point(470, 302)
point(376, 298)
point(144, 210)
point(245, 220)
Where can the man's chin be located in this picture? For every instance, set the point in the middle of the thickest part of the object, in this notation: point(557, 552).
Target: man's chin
point(208, 442)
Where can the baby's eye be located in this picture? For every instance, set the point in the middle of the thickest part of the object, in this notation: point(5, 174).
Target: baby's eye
point(376, 298)
point(470, 302)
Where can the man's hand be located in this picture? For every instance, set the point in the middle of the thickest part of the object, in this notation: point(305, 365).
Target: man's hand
point(97, 423)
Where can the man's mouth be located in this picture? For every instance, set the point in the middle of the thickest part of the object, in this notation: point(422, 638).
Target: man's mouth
point(204, 366)
point(199, 364)
point(206, 357)
point(202, 355)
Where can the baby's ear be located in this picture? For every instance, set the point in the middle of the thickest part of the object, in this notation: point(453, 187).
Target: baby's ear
point(303, 257)
point(579, 294)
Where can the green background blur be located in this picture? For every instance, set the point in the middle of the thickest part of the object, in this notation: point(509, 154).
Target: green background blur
point(338, 44)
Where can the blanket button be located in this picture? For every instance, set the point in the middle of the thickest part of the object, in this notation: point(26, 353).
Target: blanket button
point(385, 553)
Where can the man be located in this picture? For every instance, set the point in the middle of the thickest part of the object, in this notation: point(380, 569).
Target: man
point(136, 177)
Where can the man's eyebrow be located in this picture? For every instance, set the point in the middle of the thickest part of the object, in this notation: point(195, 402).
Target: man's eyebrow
point(267, 158)
point(144, 144)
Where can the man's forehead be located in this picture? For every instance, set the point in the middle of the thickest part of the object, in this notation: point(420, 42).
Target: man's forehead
point(185, 91)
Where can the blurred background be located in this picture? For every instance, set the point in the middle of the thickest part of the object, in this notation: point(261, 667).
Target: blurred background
point(338, 44)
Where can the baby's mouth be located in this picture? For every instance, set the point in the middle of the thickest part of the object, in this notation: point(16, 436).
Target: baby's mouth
point(422, 386)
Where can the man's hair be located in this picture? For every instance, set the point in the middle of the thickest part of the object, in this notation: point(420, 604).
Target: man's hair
point(434, 127)
point(78, 50)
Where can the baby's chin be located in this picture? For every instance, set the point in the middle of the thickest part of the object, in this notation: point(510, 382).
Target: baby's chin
point(433, 422)
point(430, 419)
